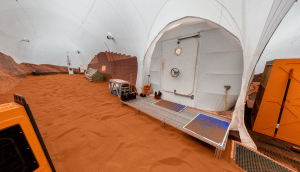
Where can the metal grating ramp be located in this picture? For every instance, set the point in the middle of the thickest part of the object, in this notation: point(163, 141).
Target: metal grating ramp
point(292, 162)
point(251, 160)
point(177, 119)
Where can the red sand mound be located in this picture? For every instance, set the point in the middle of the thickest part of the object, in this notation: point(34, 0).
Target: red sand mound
point(86, 129)
point(253, 89)
point(12, 72)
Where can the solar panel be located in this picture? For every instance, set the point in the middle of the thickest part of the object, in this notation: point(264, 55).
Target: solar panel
point(209, 127)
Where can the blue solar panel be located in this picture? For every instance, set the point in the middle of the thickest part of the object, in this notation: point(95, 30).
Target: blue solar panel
point(209, 127)
point(221, 124)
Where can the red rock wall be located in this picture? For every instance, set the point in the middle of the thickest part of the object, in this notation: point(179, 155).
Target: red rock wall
point(10, 73)
point(116, 69)
point(123, 69)
point(46, 69)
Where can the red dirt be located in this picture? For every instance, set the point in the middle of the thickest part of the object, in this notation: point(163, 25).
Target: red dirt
point(85, 128)
point(11, 72)
point(252, 91)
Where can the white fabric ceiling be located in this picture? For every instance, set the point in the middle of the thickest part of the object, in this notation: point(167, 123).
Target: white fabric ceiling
point(285, 43)
point(55, 27)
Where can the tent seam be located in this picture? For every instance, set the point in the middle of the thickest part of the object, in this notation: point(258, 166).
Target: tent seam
point(79, 16)
point(125, 25)
point(84, 19)
point(221, 15)
point(292, 43)
point(232, 19)
point(152, 27)
point(140, 16)
point(28, 18)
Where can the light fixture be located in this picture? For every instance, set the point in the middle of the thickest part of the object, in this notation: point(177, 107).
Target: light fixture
point(109, 36)
point(25, 40)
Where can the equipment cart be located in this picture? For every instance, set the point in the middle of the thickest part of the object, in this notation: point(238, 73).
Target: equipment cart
point(119, 86)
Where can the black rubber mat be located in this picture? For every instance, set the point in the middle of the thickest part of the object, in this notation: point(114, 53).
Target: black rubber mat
point(251, 160)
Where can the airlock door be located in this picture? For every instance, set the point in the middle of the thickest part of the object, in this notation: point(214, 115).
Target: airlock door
point(179, 65)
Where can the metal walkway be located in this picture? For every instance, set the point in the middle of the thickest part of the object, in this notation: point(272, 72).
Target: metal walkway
point(251, 160)
point(177, 120)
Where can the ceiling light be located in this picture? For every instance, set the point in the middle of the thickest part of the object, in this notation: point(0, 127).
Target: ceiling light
point(25, 39)
point(109, 36)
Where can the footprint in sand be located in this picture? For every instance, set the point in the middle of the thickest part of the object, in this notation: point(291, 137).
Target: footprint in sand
point(66, 132)
point(106, 104)
point(97, 133)
point(173, 164)
point(106, 117)
point(49, 124)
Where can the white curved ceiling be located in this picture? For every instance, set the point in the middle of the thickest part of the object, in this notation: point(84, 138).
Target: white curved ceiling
point(55, 27)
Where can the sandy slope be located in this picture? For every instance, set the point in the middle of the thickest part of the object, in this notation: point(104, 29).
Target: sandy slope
point(11, 72)
point(86, 129)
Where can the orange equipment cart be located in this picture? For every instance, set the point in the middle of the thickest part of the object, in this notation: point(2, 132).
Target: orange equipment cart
point(266, 119)
point(21, 145)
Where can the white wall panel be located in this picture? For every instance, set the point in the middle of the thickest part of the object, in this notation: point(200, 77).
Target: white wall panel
point(221, 63)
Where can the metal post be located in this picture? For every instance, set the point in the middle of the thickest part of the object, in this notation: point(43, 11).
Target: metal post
point(137, 111)
point(218, 152)
point(162, 124)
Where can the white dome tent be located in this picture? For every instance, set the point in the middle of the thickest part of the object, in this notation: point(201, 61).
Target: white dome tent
point(285, 43)
point(59, 26)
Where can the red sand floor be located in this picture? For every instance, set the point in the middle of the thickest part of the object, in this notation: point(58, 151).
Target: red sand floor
point(86, 129)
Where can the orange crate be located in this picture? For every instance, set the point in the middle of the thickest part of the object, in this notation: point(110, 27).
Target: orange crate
point(268, 113)
point(146, 88)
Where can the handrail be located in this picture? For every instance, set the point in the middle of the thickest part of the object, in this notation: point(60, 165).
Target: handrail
point(178, 94)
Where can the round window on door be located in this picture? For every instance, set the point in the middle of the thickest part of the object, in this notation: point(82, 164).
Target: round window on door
point(178, 51)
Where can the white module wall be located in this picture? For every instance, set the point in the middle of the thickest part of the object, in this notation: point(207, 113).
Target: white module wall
point(185, 63)
point(220, 64)
point(206, 64)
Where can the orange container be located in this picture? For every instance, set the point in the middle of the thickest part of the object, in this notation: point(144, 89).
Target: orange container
point(15, 115)
point(268, 113)
point(146, 89)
